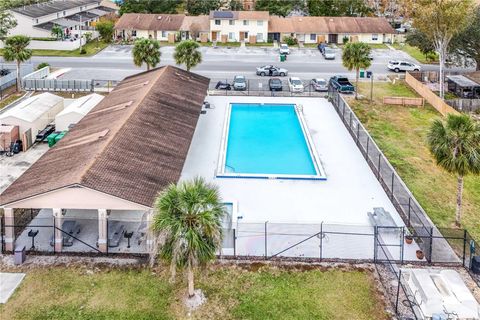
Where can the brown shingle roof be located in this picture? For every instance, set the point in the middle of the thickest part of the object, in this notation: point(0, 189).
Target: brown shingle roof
point(239, 15)
point(201, 23)
point(147, 21)
point(131, 145)
point(327, 25)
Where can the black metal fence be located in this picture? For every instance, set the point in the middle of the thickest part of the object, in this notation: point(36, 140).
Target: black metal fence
point(261, 87)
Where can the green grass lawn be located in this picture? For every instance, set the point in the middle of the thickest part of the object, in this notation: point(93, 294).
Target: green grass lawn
point(14, 96)
point(232, 293)
point(401, 134)
point(91, 48)
point(414, 52)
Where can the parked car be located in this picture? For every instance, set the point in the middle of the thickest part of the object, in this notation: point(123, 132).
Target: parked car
point(284, 49)
point(239, 83)
point(223, 85)
point(295, 84)
point(341, 84)
point(270, 70)
point(398, 66)
point(319, 84)
point(4, 72)
point(328, 53)
point(275, 84)
point(42, 135)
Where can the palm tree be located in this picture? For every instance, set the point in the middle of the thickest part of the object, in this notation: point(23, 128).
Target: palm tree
point(189, 219)
point(16, 50)
point(186, 52)
point(146, 51)
point(355, 57)
point(455, 145)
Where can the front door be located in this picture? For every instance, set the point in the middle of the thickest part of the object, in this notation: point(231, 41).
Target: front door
point(214, 35)
point(333, 38)
point(243, 35)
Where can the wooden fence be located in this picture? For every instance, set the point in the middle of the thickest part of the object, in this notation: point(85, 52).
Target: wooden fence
point(404, 101)
point(431, 97)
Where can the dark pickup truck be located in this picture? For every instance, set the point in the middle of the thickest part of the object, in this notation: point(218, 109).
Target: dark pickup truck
point(341, 84)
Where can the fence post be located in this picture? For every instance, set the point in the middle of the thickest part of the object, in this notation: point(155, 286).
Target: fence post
point(398, 290)
point(54, 231)
point(409, 208)
point(464, 245)
point(108, 236)
point(431, 245)
point(375, 240)
point(266, 222)
point(321, 240)
point(358, 133)
point(402, 244)
point(234, 243)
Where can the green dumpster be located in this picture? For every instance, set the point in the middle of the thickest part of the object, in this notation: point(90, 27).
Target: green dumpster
point(362, 73)
point(51, 139)
point(283, 57)
point(60, 136)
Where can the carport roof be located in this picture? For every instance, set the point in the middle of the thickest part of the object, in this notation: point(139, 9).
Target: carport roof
point(50, 7)
point(131, 145)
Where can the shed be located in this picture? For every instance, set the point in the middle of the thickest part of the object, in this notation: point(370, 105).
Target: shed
point(33, 115)
point(464, 87)
point(76, 111)
point(8, 134)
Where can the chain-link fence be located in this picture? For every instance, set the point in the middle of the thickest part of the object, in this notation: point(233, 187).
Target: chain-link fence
point(266, 87)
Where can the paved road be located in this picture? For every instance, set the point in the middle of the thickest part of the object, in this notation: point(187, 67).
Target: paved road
point(115, 63)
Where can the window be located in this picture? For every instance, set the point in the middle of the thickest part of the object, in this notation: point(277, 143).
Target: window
point(58, 14)
point(134, 33)
point(164, 34)
point(260, 37)
point(217, 22)
point(64, 13)
point(313, 37)
point(245, 22)
point(259, 23)
point(36, 20)
point(374, 36)
point(231, 36)
point(231, 22)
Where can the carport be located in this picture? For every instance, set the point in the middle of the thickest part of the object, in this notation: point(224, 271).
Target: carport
point(463, 87)
point(94, 190)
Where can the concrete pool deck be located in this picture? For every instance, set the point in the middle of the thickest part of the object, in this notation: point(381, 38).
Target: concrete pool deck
point(349, 193)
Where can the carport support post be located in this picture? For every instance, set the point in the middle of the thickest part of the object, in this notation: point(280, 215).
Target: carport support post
point(9, 229)
point(102, 230)
point(150, 237)
point(58, 217)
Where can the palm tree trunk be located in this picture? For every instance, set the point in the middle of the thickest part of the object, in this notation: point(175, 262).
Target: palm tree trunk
point(356, 83)
point(19, 84)
point(191, 288)
point(458, 211)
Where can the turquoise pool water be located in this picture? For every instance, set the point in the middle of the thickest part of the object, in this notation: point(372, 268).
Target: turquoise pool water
point(267, 139)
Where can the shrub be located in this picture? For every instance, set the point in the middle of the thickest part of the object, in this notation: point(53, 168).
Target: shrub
point(42, 65)
point(291, 41)
point(345, 40)
point(83, 51)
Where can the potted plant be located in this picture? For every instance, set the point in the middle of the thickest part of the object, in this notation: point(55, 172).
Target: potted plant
point(408, 239)
point(420, 254)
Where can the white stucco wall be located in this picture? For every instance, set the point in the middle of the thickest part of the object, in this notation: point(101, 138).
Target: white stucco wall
point(252, 28)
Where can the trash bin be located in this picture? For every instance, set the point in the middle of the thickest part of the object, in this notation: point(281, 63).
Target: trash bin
point(19, 256)
point(283, 57)
point(51, 139)
point(362, 73)
point(476, 265)
point(369, 74)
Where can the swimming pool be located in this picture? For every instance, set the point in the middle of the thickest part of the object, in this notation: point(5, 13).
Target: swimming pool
point(267, 141)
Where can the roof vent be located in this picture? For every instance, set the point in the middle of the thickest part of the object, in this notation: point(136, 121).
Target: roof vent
point(331, 20)
point(116, 107)
point(85, 139)
point(159, 18)
point(133, 86)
